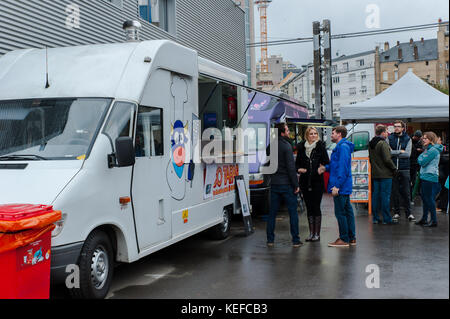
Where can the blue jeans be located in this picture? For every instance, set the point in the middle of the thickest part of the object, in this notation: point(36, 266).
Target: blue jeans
point(429, 191)
point(277, 192)
point(381, 197)
point(345, 218)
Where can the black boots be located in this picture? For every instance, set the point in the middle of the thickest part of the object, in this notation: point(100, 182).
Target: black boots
point(311, 228)
point(314, 228)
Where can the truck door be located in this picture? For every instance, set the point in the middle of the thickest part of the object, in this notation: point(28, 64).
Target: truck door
point(150, 196)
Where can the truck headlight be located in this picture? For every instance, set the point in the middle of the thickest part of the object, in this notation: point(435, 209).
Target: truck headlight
point(59, 225)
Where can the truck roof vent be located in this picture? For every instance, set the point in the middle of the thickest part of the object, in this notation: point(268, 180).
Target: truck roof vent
point(131, 28)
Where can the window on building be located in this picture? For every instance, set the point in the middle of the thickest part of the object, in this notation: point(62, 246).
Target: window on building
point(446, 65)
point(160, 13)
point(396, 75)
point(117, 3)
point(360, 62)
point(427, 63)
point(336, 79)
point(352, 77)
point(364, 90)
point(149, 132)
point(352, 91)
point(334, 68)
point(346, 66)
point(385, 76)
point(363, 75)
point(337, 93)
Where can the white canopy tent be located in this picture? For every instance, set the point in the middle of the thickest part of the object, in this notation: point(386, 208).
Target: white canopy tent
point(410, 99)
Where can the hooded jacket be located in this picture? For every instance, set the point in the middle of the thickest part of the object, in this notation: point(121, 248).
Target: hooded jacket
point(429, 163)
point(380, 159)
point(340, 168)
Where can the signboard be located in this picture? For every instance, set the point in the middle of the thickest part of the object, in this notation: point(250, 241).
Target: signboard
point(219, 179)
point(362, 181)
point(245, 205)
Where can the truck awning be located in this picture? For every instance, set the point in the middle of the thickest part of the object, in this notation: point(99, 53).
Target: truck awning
point(312, 122)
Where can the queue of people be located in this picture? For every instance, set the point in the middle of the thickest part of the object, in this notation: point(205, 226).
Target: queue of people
point(396, 160)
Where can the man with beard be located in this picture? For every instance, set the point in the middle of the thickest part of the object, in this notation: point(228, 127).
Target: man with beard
point(284, 184)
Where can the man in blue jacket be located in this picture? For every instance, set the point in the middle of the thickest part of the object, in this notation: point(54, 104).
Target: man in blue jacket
point(340, 185)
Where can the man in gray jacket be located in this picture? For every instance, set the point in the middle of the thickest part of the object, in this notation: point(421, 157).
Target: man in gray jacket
point(401, 146)
point(284, 184)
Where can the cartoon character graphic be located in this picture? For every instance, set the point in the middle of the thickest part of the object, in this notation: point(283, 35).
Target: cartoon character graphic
point(180, 153)
point(38, 257)
point(179, 139)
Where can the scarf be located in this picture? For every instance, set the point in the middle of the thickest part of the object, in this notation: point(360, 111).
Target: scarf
point(309, 148)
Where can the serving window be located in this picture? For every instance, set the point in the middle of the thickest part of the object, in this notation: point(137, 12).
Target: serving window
point(218, 109)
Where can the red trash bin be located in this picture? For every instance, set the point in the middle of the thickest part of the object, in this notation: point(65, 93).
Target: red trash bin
point(25, 250)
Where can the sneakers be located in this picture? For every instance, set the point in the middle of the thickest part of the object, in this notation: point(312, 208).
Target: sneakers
point(396, 216)
point(270, 245)
point(296, 245)
point(411, 218)
point(353, 242)
point(339, 243)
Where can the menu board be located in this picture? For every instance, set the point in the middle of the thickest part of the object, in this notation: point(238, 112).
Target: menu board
point(361, 175)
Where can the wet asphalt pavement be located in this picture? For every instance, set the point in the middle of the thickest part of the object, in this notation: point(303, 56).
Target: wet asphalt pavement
point(413, 262)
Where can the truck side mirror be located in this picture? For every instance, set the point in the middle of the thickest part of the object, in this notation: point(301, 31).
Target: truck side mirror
point(125, 153)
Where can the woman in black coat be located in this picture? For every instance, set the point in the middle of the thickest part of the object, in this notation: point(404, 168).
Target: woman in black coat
point(311, 154)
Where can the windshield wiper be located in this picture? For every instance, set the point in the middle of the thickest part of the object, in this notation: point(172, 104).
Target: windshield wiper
point(22, 157)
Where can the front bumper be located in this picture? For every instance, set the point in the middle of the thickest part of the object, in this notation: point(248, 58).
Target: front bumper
point(62, 256)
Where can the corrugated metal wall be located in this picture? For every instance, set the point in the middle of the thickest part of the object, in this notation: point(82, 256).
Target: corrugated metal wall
point(215, 28)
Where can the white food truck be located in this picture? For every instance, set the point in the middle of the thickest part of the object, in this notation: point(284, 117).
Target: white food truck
point(103, 133)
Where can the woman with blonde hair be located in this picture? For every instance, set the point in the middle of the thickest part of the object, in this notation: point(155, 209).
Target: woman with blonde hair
point(429, 177)
point(312, 153)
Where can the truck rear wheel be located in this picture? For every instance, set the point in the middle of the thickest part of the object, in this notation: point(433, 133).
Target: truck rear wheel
point(96, 267)
point(222, 230)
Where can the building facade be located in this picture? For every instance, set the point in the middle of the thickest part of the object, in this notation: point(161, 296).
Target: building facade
point(443, 67)
point(214, 28)
point(428, 59)
point(249, 8)
point(421, 57)
point(353, 79)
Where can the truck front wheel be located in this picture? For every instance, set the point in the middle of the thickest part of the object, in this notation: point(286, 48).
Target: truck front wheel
point(222, 230)
point(96, 267)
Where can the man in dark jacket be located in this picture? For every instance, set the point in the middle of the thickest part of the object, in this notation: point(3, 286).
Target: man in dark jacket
point(284, 184)
point(383, 170)
point(340, 185)
point(401, 147)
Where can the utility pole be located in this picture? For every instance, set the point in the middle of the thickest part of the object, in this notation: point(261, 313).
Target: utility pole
point(328, 74)
point(317, 73)
point(323, 72)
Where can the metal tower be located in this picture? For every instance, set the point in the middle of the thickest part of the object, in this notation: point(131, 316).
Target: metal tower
point(262, 7)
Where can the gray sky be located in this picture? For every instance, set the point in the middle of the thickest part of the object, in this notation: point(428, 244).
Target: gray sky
point(294, 18)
